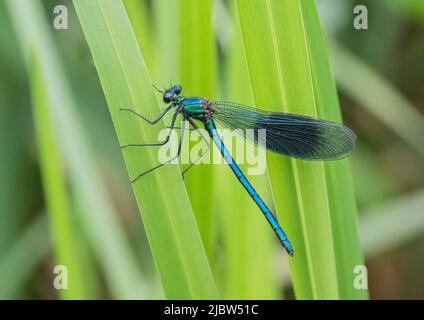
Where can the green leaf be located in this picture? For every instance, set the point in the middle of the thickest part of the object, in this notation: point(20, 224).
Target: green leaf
point(98, 217)
point(167, 41)
point(339, 182)
point(161, 196)
point(197, 74)
point(63, 230)
point(249, 244)
point(286, 58)
point(141, 22)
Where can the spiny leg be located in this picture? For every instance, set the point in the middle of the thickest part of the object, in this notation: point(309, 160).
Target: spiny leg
point(170, 160)
point(168, 135)
point(147, 120)
point(196, 128)
point(189, 129)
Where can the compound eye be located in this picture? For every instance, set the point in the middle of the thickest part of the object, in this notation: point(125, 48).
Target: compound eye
point(178, 89)
point(168, 97)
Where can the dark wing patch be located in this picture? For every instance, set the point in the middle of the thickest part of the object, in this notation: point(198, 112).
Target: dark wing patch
point(293, 135)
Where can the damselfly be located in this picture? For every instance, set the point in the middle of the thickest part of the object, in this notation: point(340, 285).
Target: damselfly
point(292, 135)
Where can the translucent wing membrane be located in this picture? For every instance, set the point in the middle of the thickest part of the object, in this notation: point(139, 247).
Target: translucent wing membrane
point(293, 135)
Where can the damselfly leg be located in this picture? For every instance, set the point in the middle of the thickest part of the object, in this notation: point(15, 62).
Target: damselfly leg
point(158, 144)
point(164, 111)
point(168, 161)
point(178, 128)
point(196, 128)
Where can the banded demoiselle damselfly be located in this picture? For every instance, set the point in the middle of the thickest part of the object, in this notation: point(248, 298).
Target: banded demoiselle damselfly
point(292, 135)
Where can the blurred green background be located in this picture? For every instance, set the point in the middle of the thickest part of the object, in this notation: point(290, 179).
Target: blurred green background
point(379, 80)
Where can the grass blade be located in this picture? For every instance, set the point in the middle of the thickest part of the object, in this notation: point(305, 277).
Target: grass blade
point(197, 75)
point(63, 228)
point(161, 196)
point(339, 182)
point(99, 219)
point(277, 43)
point(166, 49)
point(250, 271)
point(141, 22)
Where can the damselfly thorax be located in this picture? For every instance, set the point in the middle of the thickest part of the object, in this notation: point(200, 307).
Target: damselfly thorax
point(196, 108)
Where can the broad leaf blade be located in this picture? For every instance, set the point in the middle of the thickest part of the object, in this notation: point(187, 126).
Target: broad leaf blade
point(161, 196)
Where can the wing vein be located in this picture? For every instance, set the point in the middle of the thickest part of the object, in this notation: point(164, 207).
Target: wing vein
point(297, 136)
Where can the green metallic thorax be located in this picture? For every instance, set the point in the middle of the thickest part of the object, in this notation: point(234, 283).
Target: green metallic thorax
point(194, 107)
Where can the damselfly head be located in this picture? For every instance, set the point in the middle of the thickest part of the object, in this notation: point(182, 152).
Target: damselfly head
point(170, 94)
